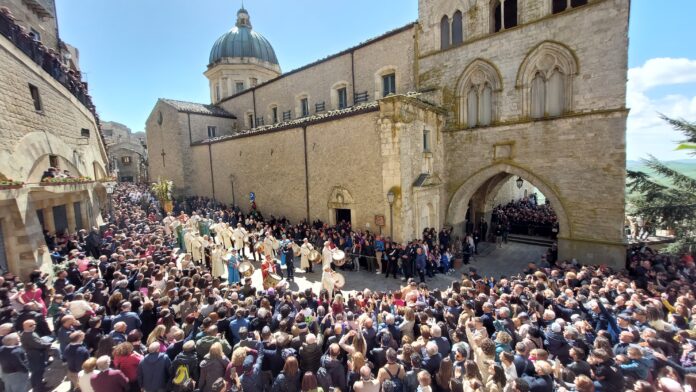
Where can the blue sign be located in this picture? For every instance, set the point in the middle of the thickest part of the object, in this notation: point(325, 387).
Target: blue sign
point(252, 196)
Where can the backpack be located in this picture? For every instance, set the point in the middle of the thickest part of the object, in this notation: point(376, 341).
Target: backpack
point(398, 383)
point(182, 380)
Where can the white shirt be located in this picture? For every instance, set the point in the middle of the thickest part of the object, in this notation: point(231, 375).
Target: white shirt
point(83, 380)
point(79, 308)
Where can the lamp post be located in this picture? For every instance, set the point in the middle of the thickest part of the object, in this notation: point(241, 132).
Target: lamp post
point(390, 200)
point(519, 182)
point(110, 191)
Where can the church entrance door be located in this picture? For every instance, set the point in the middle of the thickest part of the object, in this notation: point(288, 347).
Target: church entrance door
point(342, 214)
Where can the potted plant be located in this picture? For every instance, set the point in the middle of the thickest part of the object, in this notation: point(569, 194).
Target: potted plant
point(163, 190)
point(8, 183)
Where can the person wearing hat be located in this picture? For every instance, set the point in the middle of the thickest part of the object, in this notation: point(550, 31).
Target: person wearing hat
point(233, 261)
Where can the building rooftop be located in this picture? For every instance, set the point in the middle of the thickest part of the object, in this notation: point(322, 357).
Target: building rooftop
point(198, 108)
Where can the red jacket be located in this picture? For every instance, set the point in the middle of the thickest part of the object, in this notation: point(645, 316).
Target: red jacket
point(128, 365)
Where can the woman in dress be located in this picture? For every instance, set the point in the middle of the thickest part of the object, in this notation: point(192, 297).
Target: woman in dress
point(233, 268)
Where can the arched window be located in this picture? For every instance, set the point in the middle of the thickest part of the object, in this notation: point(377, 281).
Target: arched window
point(510, 13)
point(457, 28)
point(555, 94)
point(477, 90)
point(538, 94)
point(472, 107)
point(444, 32)
point(486, 107)
point(545, 80)
point(497, 16)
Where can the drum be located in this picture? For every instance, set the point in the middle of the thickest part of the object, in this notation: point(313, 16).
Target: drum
point(271, 280)
point(339, 280)
point(339, 257)
point(258, 247)
point(314, 256)
point(246, 269)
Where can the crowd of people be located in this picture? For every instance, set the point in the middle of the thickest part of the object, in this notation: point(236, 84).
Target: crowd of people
point(123, 316)
point(525, 216)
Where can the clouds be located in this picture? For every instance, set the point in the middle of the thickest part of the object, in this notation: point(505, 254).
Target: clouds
point(646, 97)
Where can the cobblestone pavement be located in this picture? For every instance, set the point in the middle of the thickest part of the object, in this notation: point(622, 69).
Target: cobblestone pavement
point(511, 259)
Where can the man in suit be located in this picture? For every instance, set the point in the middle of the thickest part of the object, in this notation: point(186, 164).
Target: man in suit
point(37, 354)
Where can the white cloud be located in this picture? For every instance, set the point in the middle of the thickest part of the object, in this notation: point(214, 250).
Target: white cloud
point(647, 133)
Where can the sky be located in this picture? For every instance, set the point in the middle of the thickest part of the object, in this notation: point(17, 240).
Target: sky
point(133, 52)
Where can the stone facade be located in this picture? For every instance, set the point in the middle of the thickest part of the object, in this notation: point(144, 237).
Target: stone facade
point(127, 152)
point(543, 100)
point(63, 133)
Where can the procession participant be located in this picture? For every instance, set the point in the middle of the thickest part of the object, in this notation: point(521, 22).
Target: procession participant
point(207, 249)
point(188, 237)
point(327, 278)
point(238, 236)
point(269, 244)
point(379, 252)
point(289, 256)
point(167, 222)
point(217, 255)
point(197, 248)
point(215, 230)
point(283, 243)
point(267, 267)
point(233, 267)
point(226, 235)
point(305, 264)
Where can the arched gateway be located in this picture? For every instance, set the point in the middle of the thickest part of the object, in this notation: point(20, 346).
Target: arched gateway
point(485, 183)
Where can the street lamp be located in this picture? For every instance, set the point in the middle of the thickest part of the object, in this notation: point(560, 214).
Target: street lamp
point(390, 200)
point(519, 181)
point(109, 191)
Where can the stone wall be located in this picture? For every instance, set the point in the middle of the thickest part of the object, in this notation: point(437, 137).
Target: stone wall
point(30, 138)
point(199, 126)
point(272, 165)
point(26, 130)
point(600, 83)
point(172, 139)
point(46, 26)
point(317, 81)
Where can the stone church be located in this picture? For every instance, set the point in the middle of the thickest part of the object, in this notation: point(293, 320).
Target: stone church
point(421, 126)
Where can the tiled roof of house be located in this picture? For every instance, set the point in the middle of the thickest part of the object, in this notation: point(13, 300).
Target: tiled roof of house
point(198, 108)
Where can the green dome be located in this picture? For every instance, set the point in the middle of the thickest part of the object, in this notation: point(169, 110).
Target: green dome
point(242, 41)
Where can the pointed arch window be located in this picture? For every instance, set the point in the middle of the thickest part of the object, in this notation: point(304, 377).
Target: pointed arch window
point(457, 28)
point(477, 93)
point(472, 107)
point(538, 95)
point(546, 79)
point(486, 106)
point(555, 94)
point(444, 32)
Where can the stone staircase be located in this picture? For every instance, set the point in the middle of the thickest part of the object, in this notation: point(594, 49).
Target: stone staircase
point(531, 240)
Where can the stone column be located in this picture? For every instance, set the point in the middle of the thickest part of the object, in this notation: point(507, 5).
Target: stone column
point(70, 212)
point(84, 214)
point(49, 222)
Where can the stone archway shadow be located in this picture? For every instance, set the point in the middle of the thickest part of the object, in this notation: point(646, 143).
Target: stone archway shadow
point(457, 207)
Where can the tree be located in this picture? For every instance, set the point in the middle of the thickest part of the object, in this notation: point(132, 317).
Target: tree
point(667, 199)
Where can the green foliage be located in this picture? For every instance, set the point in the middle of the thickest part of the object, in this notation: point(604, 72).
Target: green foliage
point(163, 190)
point(665, 196)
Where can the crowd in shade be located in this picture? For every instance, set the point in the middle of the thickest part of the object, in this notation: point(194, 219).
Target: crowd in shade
point(526, 216)
point(125, 316)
